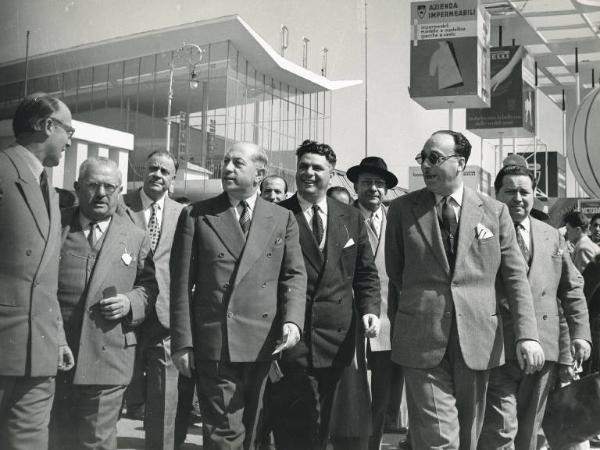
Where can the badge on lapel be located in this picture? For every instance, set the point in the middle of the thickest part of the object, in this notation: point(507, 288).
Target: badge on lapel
point(126, 257)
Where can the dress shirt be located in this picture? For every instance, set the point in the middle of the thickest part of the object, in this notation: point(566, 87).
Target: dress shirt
point(525, 229)
point(376, 217)
point(455, 201)
point(251, 201)
point(307, 210)
point(147, 205)
point(102, 225)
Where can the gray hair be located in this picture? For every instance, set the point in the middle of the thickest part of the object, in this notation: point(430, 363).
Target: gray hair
point(97, 161)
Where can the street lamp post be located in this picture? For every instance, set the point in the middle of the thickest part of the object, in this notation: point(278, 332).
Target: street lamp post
point(171, 75)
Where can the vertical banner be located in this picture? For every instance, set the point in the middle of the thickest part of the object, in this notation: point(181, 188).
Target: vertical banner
point(512, 110)
point(449, 57)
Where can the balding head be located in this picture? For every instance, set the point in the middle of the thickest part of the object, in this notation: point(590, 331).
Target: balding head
point(244, 167)
point(98, 188)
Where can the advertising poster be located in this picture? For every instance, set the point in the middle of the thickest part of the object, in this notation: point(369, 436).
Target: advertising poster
point(449, 54)
point(557, 167)
point(512, 110)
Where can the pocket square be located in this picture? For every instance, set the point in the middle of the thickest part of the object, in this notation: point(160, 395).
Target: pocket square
point(559, 252)
point(350, 243)
point(483, 232)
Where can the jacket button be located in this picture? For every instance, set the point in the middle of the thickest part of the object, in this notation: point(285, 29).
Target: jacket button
point(340, 330)
point(447, 314)
point(221, 255)
point(226, 286)
point(28, 252)
point(340, 300)
point(264, 285)
point(265, 315)
point(269, 255)
point(544, 316)
point(229, 314)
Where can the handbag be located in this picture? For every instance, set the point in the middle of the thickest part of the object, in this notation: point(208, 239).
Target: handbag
point(573, 412)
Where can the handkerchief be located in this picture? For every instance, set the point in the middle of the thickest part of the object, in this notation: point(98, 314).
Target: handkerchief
point(483, 232)
point(350, 243)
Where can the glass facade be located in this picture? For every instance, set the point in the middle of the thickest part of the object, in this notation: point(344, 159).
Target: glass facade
point(232, 101)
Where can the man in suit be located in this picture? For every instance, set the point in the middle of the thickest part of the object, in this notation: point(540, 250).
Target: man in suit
point(516, 401)
point(31, 331)
point(445, 247)
point(342, 277)
point(273, 188)
point(238, 287)
point(595, 228)
point(158, 214)
point(584, 249)
point(371, 182)
point(106, 286)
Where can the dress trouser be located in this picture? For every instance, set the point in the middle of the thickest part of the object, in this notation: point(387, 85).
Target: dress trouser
point(230, 394)
point(446, 404)
point(25, 404)
point(515, 408)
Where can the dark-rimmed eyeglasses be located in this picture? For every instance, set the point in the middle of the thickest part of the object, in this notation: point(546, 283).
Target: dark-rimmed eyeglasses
point(109, 189)
point(68, 129)
point(368, 182)
point(435, 159)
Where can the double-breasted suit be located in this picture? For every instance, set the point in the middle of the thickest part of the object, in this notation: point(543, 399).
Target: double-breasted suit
point(447, 326)
point(121, 263)
point(342, 282)
point(230, 296)
point(516, 402)
point(154, 349)
point(30, 322)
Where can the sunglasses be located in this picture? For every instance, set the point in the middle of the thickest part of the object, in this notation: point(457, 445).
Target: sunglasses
point(435, 159)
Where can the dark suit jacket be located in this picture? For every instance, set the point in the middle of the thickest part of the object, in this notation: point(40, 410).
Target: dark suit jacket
point(106, 348)
point(345, 274)
point(243, 290)
point(431, 295)
point(30, 323)
point(556, 285)
point(162, 253)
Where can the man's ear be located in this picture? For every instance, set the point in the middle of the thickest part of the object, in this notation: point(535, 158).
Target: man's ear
point(44, 125)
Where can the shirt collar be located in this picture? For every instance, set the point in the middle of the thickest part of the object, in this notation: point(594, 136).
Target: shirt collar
point(147, 201)
point(250, 200)
point(34, 164)
point(366, 213)
point(457, 196)
point(305, 204)
point(526, 224)
point(85, 223)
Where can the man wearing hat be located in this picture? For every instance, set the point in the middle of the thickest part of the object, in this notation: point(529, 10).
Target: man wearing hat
point(371, 182)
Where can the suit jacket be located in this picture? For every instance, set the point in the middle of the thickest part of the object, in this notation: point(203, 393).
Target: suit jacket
point(230, 296)
point(584, 252)
point(556, 286)
point(431, 296)
point(30, 323)
point(162, 253)
point(106, 348)
point(344, 275)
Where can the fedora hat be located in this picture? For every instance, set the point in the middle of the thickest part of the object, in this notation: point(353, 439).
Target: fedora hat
point(376, 165)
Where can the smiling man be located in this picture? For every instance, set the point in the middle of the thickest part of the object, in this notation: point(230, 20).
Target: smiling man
point(446, 246)
point(237, 296)
point(156, 213)
point(106, 285)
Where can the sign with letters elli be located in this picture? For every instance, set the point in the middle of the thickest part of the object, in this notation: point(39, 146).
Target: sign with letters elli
point(449, 56)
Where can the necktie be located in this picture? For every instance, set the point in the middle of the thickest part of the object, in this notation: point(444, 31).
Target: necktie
point(317, 225)
point(373, 225)
point(92, 236)
point(45, 189)
point(449, 228)
point(522, 244)
point(154, 227)
point(245, 217)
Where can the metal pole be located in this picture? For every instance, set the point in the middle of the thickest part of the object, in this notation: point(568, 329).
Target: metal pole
point(26, 63)
point(366, 85)
point(170, 100)
point(450, 116)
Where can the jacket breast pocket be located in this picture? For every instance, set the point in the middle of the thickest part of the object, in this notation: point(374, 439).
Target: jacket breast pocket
point(348, 260)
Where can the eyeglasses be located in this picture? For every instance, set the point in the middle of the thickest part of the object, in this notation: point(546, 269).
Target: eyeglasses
point(109, 189)
point(435, 159)
point(379, 184)
point(68, 129)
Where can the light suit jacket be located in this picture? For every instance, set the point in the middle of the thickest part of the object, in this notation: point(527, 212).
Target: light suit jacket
point(556, 286)
point(431, 295)
point(230, 295)
point(162, 253)
point(30, 322)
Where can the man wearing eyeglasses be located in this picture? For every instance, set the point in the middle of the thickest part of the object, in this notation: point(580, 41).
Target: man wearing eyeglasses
point(106, 286)
point(446, 247)
point(33, 344)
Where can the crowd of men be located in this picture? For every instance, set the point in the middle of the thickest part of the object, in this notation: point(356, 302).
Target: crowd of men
point(277, 305)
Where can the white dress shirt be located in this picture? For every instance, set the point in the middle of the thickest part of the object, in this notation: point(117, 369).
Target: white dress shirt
point(147, 207)
point(101, 228)
point(375, 217)
point(251, 201)
point(455, 201)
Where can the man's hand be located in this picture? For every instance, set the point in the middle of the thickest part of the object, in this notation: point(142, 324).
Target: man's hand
point(580, 350)
point(184, 361)
point(566, 374)
point(290, 335)
point(530, 356)
point(371, 324)
point(66, 360)
point(114, 308)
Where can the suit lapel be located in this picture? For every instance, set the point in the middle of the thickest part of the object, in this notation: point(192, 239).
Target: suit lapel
point(168, 224)
point(309, 246)
point(260, 231)
point(224, 223)
point(470, 216)
point(539, 246)
point(337, 232)
point(137, 207)
point(427, 221)
point(114, 245)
